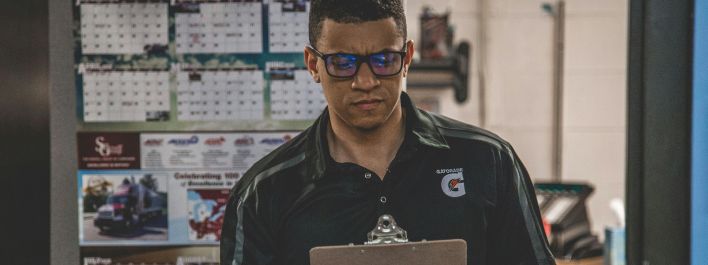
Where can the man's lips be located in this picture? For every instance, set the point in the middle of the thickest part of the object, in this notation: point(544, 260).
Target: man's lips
point(367, 104)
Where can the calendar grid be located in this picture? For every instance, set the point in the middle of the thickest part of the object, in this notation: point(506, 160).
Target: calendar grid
point(220, 94)
point(123, 28)
point(219, 28)
point(210, 55)
point(135, 95)
point(287, 24)
point(80, 2)
point(294, 96)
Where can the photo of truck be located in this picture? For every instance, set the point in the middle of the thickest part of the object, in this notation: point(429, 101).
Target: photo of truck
point(135, 208)
point(130, 205)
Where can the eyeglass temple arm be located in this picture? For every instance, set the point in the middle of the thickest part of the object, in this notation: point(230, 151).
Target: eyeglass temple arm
point(312, 48)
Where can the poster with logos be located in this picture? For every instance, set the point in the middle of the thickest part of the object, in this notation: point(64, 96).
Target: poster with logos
point(174, 65)
point(223, 151)
point(153, 190)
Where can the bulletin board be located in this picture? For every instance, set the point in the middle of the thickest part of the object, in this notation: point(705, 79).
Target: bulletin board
point(175, 101)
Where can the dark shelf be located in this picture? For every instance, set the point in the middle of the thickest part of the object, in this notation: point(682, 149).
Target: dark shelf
point(451, 72)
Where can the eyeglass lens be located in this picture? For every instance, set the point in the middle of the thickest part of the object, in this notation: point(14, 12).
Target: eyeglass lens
point(381, 64)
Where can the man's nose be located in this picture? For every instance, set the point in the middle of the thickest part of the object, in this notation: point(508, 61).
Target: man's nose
point(365, 78)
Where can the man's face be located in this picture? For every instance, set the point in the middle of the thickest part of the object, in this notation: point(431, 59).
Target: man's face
point(364, 101)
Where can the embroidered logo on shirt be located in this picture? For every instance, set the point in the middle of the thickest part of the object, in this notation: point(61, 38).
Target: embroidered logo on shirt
point(453, 184)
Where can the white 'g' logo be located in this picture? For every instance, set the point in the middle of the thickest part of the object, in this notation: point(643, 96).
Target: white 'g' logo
point(453, 185)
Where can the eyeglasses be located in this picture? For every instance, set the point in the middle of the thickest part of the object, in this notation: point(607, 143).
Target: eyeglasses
point(344, 65)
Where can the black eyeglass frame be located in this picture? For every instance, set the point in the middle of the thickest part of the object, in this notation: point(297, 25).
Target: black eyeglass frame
point(361, 59)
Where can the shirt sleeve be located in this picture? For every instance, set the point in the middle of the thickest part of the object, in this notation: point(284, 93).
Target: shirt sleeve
point(246, 238)
point(516, 235)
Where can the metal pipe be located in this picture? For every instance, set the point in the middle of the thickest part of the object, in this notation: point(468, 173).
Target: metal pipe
point(558, 14)
point(482, 55)
point(558, 55)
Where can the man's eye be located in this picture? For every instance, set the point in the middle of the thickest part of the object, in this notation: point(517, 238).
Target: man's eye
point(343, 62)
point(382, 60)
point(344, 65)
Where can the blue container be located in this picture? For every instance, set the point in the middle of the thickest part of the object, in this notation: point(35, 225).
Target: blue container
point(615, 246)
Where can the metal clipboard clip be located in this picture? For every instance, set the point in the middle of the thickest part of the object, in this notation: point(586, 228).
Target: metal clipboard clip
point(388, 245)
point(386, 232)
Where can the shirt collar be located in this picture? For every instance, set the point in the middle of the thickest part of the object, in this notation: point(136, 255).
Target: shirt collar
point(419, 125)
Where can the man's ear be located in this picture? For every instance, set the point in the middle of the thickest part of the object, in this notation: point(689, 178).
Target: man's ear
point(410, 49)
point(311, 63)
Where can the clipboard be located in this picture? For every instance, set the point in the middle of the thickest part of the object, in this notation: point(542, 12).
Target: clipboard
point(388, 245)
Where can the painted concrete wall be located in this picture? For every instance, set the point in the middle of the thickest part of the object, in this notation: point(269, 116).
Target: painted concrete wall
point(519, 86)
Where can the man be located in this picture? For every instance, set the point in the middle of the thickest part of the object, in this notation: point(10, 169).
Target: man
point(371, 152)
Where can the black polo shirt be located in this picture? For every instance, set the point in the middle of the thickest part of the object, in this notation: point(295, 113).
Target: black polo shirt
point(449, 180)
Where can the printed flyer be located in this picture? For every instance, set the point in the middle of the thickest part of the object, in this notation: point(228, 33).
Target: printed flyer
point(153, 207)
point(154, 190)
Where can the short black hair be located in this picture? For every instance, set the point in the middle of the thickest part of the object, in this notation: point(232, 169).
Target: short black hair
point(354, 11)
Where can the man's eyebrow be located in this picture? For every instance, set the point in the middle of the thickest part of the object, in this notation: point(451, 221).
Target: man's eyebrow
point(387, 50)
point(341, 52)
point(379, 51)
